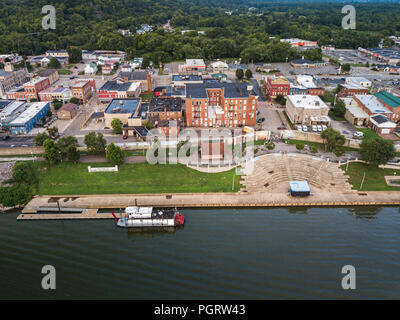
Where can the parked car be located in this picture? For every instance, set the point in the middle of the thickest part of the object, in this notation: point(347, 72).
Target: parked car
point(319, 128)
point(281, 128)
point(314, 128)
point(305, 128)
point(299, 128)
point(324, 127)
point(358, 134)
point(125, 137)
point(4, 138)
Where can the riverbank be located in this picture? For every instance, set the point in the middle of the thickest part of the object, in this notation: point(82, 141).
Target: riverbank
point(213, 200)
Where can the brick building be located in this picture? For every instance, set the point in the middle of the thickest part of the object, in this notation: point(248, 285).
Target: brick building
point(82, 91)
point(165, 109)
point(67, 111)
point(220, 105)
point(33, 87)
point(352, 89)
point(392, 103)
point(277, 85)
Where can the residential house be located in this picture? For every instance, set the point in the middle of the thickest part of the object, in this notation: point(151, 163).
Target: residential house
point(67, 111)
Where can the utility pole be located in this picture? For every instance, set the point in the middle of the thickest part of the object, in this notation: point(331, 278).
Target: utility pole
point(233, 180)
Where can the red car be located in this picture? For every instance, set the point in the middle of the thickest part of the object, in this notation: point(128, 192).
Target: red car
point(125, 137)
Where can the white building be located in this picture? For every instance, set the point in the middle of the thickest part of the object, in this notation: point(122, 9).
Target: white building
point(359, 81)
point(219, 67)
point(91, 68)
point(307, 110)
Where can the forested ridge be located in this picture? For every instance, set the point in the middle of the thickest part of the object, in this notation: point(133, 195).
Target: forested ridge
point(93, 24)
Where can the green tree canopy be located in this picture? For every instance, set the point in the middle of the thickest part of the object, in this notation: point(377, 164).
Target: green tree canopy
point(52, 153)
point(115, 154)
point(24, 172)
point(333, 139)
point(40, 138)
point(239, 74)
point(377, 151)
point(116, 125)
point(96, 144)
point(54, 63)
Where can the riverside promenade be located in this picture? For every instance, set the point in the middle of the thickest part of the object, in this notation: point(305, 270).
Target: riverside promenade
point(265, 184)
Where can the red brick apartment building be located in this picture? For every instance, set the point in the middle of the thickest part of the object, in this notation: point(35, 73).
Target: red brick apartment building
point(165, 109)
point(82, 91)
point(33, 87)
point(220, 105)
point(277, 85)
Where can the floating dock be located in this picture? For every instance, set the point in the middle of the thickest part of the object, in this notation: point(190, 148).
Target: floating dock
point(89, 205)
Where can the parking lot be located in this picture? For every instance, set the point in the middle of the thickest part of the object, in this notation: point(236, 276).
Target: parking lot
point(349, 56)
point(288, 70)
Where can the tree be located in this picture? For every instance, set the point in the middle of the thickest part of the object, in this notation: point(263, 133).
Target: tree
point(75, 55)
point(49, 113)
point(148, 124)
point(52, 153)
point(377, 151)
point(24, 172)
point(346, 67)
point(73, 154)
point(333, 139)
point(53, 132)
point(339, 109)
point(249, 74)
point(116, 124)
point(115, 154)
point(54, 63)
point(66, 144)
point(74, 100)
point(96, 144)
point(16, 195)
point(57, 104)
point(388, 43)
point(281, 99)
point(40, 138)
point(239, 74)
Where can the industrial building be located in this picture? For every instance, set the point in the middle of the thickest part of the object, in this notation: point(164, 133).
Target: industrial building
point(25, 122)
point(10, 110)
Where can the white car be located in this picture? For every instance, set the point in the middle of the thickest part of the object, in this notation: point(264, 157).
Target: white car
point(314, 128)
point(299, 128)
point(319, 128)
point(358, 134)
point(305, 128)
point(324, 127)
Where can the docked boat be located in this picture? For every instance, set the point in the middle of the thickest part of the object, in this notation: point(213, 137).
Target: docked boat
point(148, 217)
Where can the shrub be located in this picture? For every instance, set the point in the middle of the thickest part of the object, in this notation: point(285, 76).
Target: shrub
point(270, 145)
point(314, 149)
point(338, 152)
point(299, 146)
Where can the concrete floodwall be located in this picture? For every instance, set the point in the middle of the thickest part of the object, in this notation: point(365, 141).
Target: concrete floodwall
point(21, 151)
point(315, 137)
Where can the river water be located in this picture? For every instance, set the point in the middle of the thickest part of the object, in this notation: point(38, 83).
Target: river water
point(220, 254)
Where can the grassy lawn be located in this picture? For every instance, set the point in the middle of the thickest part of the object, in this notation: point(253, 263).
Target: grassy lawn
point(71, 179)
point(147, 96)
point(374, 179)
point(320, 146)
point(368, 133)
point(64, 71)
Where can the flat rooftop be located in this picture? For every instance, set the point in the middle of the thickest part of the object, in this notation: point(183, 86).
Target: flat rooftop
point(32, 110)
point(373, 104)
point(34, 81)
point(123, 106)
point(167, 104)
point(11, 108)
point(307, 102)
point(186, 78)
